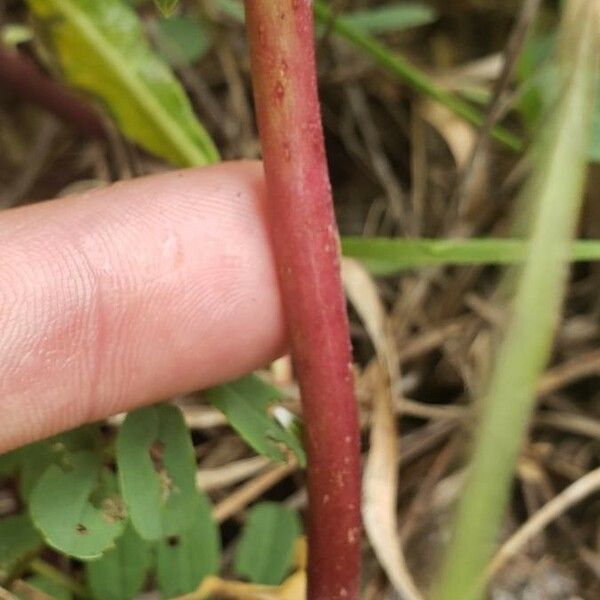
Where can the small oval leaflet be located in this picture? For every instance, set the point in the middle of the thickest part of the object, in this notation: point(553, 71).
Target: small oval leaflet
point(157, 471)
point(186, 559)
point(265, 551)
point(70, 506)
point(120, 573)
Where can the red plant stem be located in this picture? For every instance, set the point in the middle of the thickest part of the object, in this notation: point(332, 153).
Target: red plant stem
point(305, 240)
point(21, 74)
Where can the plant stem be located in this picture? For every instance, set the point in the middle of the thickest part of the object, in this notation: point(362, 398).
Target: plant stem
point(19, 73)
point(306, 243)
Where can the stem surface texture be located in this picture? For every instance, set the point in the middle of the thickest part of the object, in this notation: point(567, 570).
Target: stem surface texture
point(306, 246)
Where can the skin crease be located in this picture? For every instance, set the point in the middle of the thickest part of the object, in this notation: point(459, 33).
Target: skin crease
point(131, 294)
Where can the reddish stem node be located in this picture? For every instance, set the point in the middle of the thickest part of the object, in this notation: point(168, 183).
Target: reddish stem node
point(305, 240)
point(21, 74)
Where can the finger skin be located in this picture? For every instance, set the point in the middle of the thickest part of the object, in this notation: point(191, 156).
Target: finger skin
point(131, 294)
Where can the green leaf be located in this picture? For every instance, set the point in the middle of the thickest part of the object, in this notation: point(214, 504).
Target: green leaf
point(184, 560)
point(387, 256)
point(181, 40)
point(391, 17)
point(157, 470)
point(232, 8)
point(166, 7)
point(19, 540)
point(70, 506)
point(594, 150)
point(48, 587)
point(9, 463)
point(102, 50)
point(246, 403)
point(540, 83)
point(34, 459)
point(120, 573)
point(266, 548)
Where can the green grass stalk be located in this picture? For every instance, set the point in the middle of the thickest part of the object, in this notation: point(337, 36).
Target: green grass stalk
point(554, 193)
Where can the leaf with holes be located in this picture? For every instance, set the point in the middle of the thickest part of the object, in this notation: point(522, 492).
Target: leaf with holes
point(186, 559)
point(18, 541)
point(72, 509)
point(266, 548)
point(102, 50)
point(157, 470)
point(120, 573)
point(246, 403)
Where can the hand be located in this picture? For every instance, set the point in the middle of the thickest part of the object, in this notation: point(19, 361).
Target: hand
point(131, 294)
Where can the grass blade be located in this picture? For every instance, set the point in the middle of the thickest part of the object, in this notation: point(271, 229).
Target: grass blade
point(400, 67)
point(554, 194)
point(393, 18)
point(387, 256)
point(396, 65)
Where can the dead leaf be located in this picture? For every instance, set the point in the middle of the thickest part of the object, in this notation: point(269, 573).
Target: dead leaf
point(380, 478)
point(380, 486)
point(460, 136)
point(293, 588)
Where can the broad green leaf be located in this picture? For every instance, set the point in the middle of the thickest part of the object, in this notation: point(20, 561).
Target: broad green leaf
point(266, 548)
point(246, 404)
point(157, 470)
point(121, 572)
point(387, 256)
point(48, 587)
point(19, 540)
point(391, 17)
point(166, 7)
point(181, 40)
point(185, 559)
point(71, 507)
point(102, 50)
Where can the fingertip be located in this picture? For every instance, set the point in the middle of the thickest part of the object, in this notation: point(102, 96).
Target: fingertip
point(134, 293)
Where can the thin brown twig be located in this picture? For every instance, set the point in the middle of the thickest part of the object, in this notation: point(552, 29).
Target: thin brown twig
point(566, 373)
point(243, 496)
point(523, 24)
point(569, 497)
